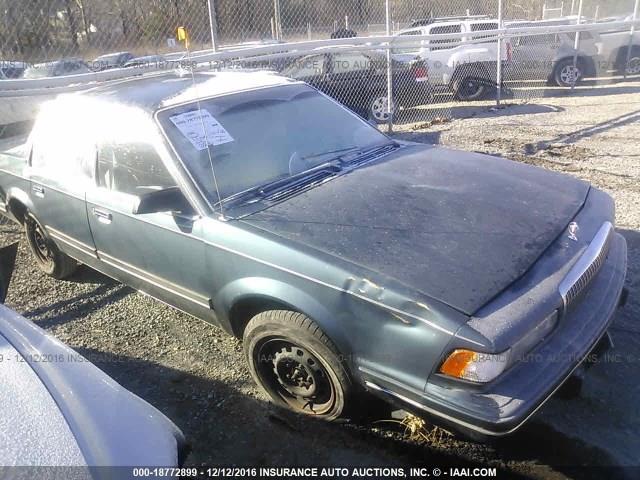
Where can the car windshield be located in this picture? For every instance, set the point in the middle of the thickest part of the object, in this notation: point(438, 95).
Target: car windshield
point(262, 136)
point(111, 59)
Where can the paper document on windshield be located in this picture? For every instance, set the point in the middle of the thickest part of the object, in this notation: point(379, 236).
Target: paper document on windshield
point(191, 124)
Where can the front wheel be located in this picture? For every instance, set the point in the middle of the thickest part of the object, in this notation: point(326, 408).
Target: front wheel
point(296, 364)
point(46, 253)
point(566, 74)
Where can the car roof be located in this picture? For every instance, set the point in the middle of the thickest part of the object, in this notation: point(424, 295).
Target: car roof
point(153, 92)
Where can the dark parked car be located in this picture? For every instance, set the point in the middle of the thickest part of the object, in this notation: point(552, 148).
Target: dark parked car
point(59, 68)
point(462, 286)
point(10, 69)
point(359, 81)
point(111, 60)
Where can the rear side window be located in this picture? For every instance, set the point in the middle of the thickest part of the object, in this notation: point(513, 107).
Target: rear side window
point(63, 149)
point(133, 168)
point(481, 27)
point(549, 39)
point(444, 44)
point(305, 67)
point(583, 36)
point(408, 48)
point(350, 62)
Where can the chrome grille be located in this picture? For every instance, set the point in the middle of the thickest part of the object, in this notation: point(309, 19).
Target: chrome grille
point(588, 266)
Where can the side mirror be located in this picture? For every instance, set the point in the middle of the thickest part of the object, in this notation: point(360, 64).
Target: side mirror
point(166, 200)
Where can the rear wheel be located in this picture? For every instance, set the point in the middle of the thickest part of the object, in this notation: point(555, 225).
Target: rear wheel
point(46, 253)
point(296, 364)
point(379, 109)
point(469, 88)
point(633, 65)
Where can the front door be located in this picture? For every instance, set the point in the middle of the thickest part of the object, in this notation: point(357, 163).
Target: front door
point(161, 254)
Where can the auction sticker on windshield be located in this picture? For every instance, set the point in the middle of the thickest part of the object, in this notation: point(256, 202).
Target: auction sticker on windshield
point(201, 129)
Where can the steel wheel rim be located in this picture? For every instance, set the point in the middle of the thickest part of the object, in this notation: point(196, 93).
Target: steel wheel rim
point(296, 375)
point(41, 244)
point(380, 109)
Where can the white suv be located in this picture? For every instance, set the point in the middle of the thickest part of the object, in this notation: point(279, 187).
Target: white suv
point(468, 70)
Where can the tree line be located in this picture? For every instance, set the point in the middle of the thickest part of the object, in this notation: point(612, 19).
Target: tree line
point(49, 29)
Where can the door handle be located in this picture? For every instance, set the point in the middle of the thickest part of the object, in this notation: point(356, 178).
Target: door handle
point(103, 217)
point(38, 190)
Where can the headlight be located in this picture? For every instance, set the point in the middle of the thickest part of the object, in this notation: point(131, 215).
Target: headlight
point(475, 366)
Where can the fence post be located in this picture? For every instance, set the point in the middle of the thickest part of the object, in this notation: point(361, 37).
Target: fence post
point(576, 46)
point(631, 34)
point(277, 20)
point(499, 64)
point(213, 25)
point(390, 103)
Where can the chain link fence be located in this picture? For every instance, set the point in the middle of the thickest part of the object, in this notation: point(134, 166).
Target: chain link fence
point(483, 51)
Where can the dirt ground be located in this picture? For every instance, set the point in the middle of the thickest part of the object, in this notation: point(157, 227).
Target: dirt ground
point(196, 374)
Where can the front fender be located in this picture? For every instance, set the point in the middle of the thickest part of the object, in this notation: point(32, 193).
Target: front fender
point(271, 290)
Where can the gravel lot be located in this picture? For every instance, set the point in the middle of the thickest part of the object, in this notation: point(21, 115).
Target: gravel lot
point(196, 375)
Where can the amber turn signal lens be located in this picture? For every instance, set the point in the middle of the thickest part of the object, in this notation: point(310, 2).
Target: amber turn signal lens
point(457, 363)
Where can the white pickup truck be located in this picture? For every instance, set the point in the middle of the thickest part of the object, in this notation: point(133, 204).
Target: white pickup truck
point(468, 69)
point(614, 51)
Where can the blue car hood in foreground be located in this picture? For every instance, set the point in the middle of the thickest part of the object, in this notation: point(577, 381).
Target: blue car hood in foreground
point(458, 227)
point(59, 409)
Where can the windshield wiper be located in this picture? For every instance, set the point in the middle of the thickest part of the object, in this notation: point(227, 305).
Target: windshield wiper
point(321, 154)
point(345, 160)
point(265, 189)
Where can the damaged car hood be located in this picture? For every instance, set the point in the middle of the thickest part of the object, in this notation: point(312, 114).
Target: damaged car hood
point(458, 227)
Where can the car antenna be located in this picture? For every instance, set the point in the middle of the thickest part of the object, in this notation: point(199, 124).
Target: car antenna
point(184, 35)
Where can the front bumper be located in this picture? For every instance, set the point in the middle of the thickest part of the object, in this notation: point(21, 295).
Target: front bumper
point(509, 402)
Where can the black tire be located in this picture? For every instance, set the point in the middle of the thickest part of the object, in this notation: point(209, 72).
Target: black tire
point(562, 73)
point(469, 88)
point(297, 365)
point(46, 253)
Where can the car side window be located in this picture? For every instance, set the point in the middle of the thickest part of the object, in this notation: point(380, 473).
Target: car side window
point(133, 168)
point(481, 27)
point(310, 66)
point(408, 49)
point(444, 44)
point(549, 40)
point(350, 62)
point(58, 153)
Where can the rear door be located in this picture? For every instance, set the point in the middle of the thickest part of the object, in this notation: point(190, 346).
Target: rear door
point(61, 170)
